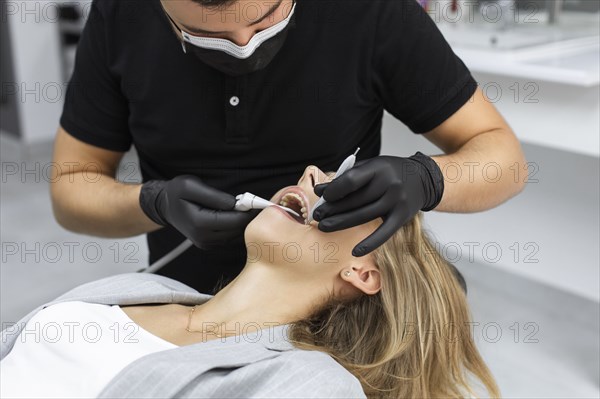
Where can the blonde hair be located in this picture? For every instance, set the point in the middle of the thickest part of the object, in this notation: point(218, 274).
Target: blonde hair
point(410, 340)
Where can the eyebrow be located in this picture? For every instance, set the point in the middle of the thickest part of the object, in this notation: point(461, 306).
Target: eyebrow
point(267, 15)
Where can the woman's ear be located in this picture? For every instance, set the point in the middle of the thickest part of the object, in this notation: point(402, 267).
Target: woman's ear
point(364, 276)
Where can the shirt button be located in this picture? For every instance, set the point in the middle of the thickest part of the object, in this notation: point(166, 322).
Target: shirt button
point(234, 101)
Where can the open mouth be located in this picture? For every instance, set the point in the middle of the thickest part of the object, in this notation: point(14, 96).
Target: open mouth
point(295, 200)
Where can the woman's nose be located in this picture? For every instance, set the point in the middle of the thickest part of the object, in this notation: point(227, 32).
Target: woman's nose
point(312, 176)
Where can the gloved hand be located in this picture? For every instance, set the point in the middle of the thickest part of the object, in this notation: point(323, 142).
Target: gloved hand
point(203, 214)
point(392, 188)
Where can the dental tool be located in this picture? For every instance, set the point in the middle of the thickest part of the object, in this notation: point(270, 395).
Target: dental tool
point(248, 201)
point(345, 166)
point(175, 252)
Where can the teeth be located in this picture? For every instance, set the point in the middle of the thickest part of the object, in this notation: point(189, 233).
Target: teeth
point(289, 196)
point(295, 198)
point(293, 195)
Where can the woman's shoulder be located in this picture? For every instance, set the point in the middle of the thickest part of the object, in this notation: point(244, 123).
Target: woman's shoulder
point(323, 372)
point(128, 282)
point(131, 288)
point(316, 362)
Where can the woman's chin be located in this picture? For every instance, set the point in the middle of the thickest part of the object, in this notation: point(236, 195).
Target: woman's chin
point(270, 225)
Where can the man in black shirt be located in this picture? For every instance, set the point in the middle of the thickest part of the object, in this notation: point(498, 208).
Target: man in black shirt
point(222, 97)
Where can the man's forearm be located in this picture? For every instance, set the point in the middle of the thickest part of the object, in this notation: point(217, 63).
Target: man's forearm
point(99, 206)
point(486, 171)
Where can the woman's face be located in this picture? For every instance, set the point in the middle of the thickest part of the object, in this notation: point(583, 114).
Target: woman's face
point(277, 237)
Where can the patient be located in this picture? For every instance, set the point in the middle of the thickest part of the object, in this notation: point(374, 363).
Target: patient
point(397, 319)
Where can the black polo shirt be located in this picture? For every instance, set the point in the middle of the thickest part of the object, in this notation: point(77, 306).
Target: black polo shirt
point(343, 63)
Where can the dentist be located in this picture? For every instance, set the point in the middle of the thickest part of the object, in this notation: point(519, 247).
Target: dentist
point(222, 97)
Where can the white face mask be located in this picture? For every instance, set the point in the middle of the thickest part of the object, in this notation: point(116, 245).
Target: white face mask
point(241, 52)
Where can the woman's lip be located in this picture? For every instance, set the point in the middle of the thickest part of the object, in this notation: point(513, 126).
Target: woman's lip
point(297, 190)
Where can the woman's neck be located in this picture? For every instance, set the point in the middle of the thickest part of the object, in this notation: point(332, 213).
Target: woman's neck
point(261, 296)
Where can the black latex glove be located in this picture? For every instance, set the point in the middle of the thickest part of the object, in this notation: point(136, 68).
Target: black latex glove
point(203, 214)
point(392, 188)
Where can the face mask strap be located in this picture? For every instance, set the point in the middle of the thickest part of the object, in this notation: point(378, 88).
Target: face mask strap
point(175, 27)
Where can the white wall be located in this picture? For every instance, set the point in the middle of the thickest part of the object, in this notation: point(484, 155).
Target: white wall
point(561, 116)
point(554, 221)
